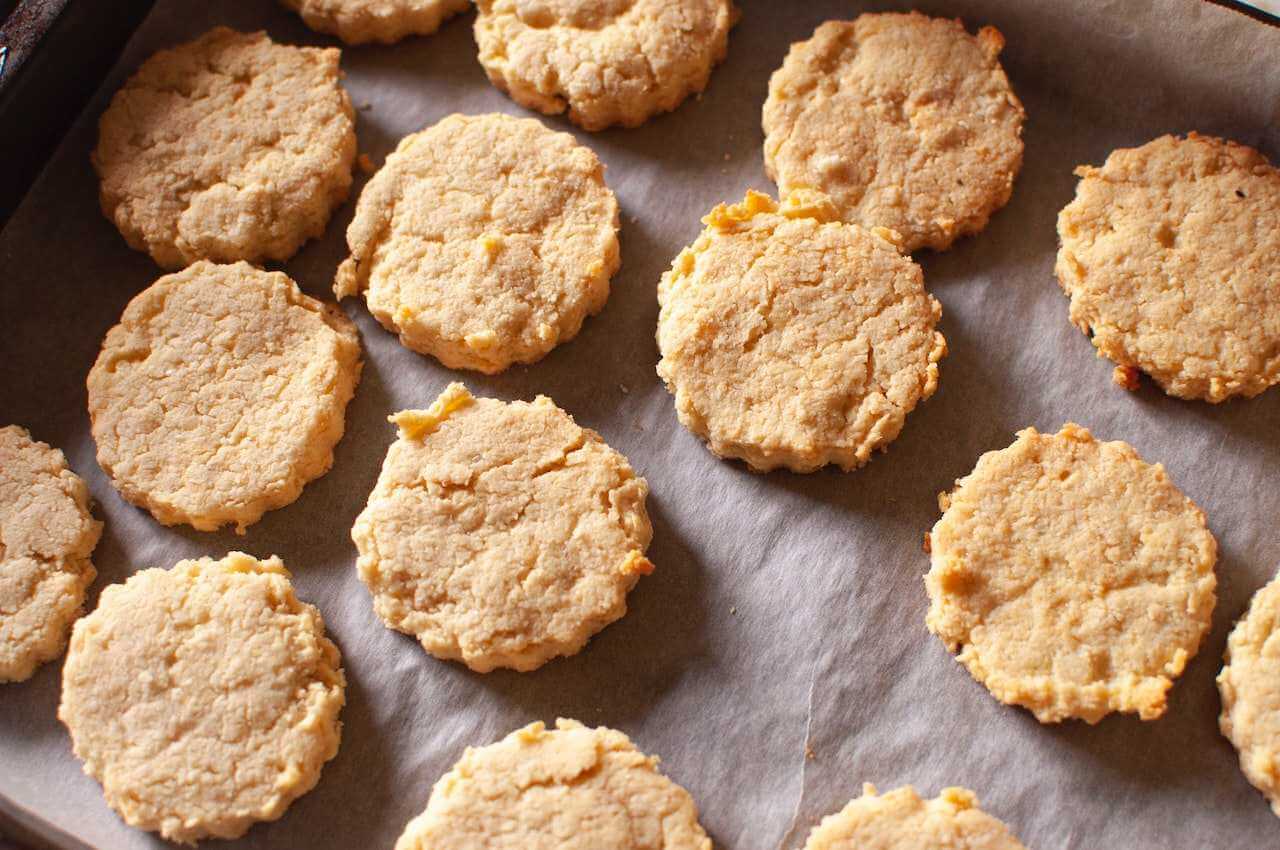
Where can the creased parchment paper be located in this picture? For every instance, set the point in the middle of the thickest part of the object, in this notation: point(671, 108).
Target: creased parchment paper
point(777, 658)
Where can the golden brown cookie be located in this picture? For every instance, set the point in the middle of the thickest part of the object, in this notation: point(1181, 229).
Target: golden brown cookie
point(229, 147)
point(385, 21)
point(1169, 253)
point(790, 339)
point(1071, 577)
point(1250, 687)
point(906, 121)
point(484, 241)
point(900, 820)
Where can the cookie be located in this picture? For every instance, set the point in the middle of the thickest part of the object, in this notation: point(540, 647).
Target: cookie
point(1250, 693)
point(1168, 254)
point(501, 535)
point(46, 537)
point(204, 698)
point(229, 147)
point(220, 394)
point(1072, 578)
point(790, 339)
point(385, 21)
point(485, 240)
point(616, 62)
point(906, 121)
point(900, 819)
point(573, 787)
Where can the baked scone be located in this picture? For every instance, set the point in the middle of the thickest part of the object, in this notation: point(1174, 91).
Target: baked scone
point(204, 697)
point(790, 339)
point(1168, 254)
point(900, 820)
point(501, 535)
point(229, 147)
point(571, 787)
point(906, 121)
point(485, 240)
point(47, 534)
point(220, 393)
point(608, 62)
point(1073, 578)
point(1250, 687)
point(385, 21)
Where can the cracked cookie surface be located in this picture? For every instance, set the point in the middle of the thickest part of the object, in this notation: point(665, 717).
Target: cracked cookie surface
point(501, 534)
point(616, 62)
point(221, 392)
point(1251, 692)
point(229, 147)
point(901, 819)
point(1168, 253)
point(906, 121)
point(571, 788)
point(1071, 577)
point(384, 21)
point(485, 240)
point(204, 697)
point(790, 339)
point(47, 534)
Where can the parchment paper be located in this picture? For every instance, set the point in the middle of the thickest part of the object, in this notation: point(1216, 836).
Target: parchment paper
point(778, 657)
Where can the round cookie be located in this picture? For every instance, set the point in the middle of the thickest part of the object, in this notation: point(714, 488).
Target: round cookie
point(1168, 254)
point(485, 240)
point(226, 148)
point(900, 819)
point(1251, 692)
point(573, 788)
point(385, 21)
point(906, 121)
point(501, 535)
point(204, 698)
point(220, 394)
point(791, 339)
point(608, 62)
point(46, 537)
point(1072, 578)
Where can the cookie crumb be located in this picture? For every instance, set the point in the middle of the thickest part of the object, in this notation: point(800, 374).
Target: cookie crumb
point(1125, 376)
point(624, 388)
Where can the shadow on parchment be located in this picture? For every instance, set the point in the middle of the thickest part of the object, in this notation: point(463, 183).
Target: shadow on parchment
point(628, 666)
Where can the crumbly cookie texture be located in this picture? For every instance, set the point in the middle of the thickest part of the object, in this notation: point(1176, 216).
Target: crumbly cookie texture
point(204, 698)
point(906, 121)
point(485, 240)
point(384, 21)
point(790, 339)
point(1168, 254)
point(501, 535)
point(1072, 578)
point(46, 537)
point(1251, 692)
point(608, 62)
point(226, 148)
point(901, 820)
point(571, 787)
point(220, 394)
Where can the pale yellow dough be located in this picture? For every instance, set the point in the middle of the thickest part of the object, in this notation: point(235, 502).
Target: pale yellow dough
point(1169, 254)
point(571, 788)
point(501, 535)
point(204, 698)
point(901, 820)
point(46, 537)
point(906, 121)
point(220, 393)
point(1072, 578)
point(1250, 686)
point(227, 148)
point(791, 340)
point(385, 21)
point(608, 62)
point(485, 240)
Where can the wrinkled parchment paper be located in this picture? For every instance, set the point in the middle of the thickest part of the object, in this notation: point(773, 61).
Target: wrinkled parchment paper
point(778, 657)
